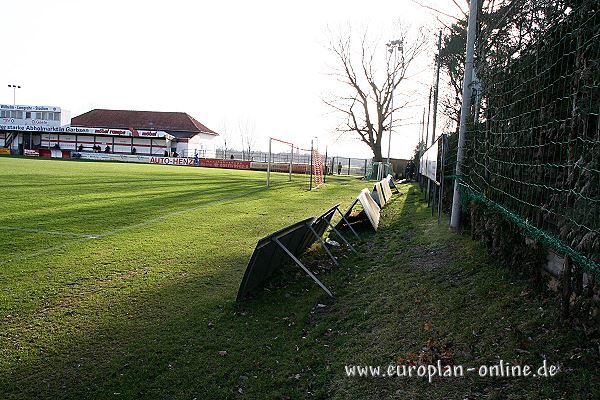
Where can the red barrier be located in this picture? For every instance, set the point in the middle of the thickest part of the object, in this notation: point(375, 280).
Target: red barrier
point(233, 164)
point(54, 153)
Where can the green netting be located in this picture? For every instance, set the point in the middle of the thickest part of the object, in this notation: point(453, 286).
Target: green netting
point(373, 173)
point(541, 236)
point(533, 150)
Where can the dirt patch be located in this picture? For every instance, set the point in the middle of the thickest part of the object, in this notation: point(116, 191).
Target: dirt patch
point(430, 258)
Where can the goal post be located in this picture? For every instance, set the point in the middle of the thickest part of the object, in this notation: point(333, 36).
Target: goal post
point(288, 161)
point(280, 158)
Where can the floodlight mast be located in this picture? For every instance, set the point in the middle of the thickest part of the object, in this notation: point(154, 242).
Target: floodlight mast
point(14, 88)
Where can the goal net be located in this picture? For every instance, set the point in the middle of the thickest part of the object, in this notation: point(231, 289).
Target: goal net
point(288, 162)
point(317, 161)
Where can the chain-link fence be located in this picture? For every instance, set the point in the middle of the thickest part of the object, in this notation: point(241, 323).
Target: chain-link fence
point(335, 165)
point(263, 156)
point(533, 150)
point(347, 165)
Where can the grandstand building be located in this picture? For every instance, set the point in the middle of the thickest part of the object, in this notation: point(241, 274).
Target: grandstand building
point(177, 132)
point(48, 131)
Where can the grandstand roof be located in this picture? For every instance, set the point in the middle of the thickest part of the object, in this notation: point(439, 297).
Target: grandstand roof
point(178, 124)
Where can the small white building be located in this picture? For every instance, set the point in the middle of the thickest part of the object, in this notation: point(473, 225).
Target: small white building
point(33, 115)
point(20, 125)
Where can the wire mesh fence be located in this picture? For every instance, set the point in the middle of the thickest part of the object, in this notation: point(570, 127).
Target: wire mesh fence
point(263, 156)
point(347, 165)
point(336, 165)
point(533, 150)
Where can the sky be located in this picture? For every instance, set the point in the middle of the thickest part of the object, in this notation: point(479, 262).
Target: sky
point(229, 64)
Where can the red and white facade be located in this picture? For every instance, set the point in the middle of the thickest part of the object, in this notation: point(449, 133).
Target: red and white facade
point(120, 141)
point(184, 135)
point(47, 131)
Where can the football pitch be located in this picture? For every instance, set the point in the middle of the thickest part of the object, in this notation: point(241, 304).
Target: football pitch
point(110, 272)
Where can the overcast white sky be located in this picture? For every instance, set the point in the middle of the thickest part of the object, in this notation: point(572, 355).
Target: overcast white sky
point(220, 61)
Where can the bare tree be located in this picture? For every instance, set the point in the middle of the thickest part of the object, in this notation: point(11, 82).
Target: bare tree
point(246, 129)
point(366, 100)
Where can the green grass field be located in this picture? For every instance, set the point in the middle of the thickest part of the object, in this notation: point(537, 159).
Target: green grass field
point(171, 245)
point(118, 281)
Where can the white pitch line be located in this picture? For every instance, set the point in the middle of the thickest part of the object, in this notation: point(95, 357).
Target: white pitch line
point(28, 230)
point(43, 251)
point(129, 227)
point(176, 213)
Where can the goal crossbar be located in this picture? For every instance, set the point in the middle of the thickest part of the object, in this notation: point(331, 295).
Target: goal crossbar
point(289, 143)
point(312, 164)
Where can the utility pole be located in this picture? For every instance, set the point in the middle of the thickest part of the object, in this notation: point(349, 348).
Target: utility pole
point(428, 118)
point(391, 113)
point(422, 137)
point(393, 47)
point(437, 86)
point(464, 110)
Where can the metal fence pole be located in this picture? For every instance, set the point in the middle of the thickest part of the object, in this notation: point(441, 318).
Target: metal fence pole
point(441, 169)
point(325, 163)
point(311, 164)
point(464, 111)
point(269, 165)
point(291, 161)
